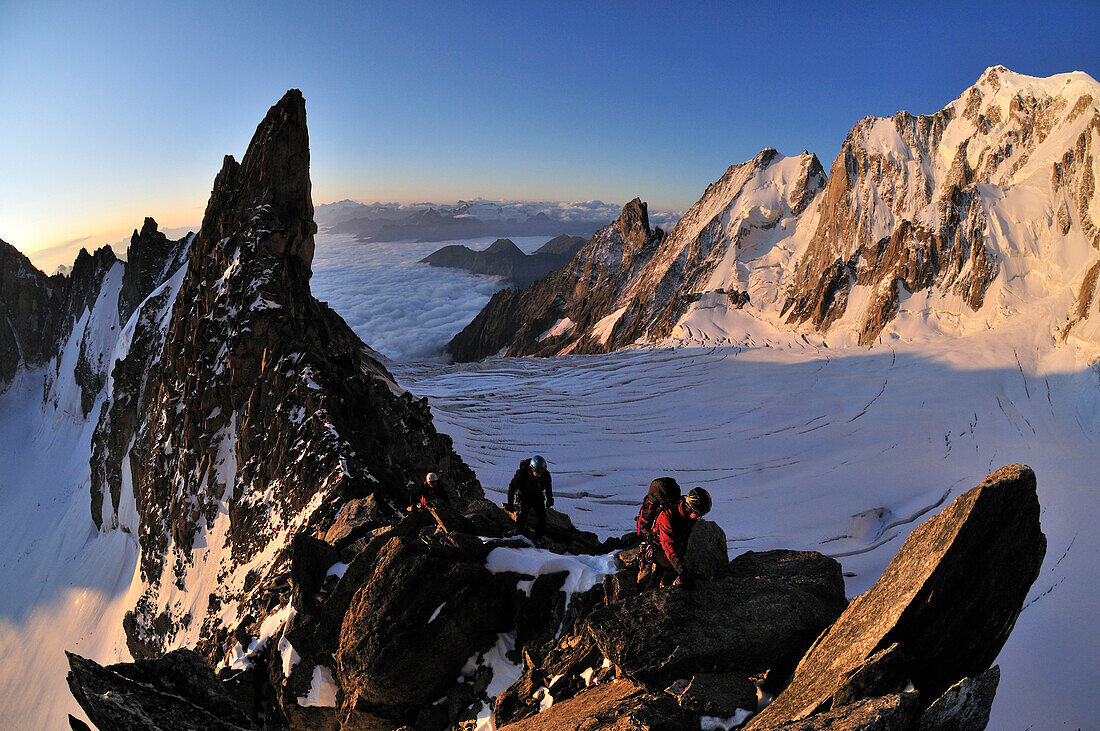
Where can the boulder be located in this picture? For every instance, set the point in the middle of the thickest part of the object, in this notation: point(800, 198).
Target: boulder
point(949, 599)
point(411, 627)
point(706, 555)
point(616, 706)
point(357, 518)
point(897, 712)
point(736, 623)
point(965, 706)
point(808, 570)
point(177, 691)
point(719, 695)
point(489, 519)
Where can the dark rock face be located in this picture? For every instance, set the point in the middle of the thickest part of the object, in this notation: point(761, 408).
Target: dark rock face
point(411, 627)
point(177, 691)
point(27, 321)
point(150, 258)
point(660, 636)
point(965, 706)
point(39, 316)
point(948, 600)
point(505, 259)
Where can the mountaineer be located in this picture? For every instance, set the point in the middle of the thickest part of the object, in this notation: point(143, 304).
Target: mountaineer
point(431, 491)
point(672, 528)
point(531, 485)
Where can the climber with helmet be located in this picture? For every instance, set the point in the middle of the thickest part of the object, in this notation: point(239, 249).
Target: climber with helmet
point(673, 528)
point(531, 486)
point(431, 491)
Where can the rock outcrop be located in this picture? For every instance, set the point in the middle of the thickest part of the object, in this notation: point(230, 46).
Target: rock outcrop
point(758, 616)
point(67, 321)
point(943, 608)
point(177, 691)
point(765, 622)
point(150, 259)
point(27, 323)
point(411, 627)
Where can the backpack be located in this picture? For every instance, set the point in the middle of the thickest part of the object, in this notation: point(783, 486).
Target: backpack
point(664, 492)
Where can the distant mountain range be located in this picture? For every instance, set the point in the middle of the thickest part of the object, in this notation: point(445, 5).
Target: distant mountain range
point(505, 259)
point(466, 219)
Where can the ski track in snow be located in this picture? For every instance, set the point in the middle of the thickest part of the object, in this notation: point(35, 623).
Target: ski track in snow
point(839, 450)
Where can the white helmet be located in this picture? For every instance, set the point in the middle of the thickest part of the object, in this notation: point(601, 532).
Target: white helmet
point(432, 478)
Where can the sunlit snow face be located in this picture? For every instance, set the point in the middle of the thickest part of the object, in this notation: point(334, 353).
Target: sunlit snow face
point(401, 308)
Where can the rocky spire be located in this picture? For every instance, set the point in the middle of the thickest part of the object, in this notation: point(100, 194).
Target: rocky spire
point(256, 412)
point(273, 176)
point(25, 319)
point(634, 224)
point(149, 258)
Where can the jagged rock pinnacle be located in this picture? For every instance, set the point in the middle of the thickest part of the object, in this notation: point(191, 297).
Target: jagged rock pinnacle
point(634, 224)
point(274, 172)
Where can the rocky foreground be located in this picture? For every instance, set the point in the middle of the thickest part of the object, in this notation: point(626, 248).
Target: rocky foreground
point(417, 605)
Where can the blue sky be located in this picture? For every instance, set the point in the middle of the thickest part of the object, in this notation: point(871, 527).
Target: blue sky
point(115, 111)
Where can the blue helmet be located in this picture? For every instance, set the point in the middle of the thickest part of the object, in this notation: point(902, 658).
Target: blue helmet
point(538, 464)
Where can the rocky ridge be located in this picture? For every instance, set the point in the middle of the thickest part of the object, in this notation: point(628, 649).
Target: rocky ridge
point(70, 322)
point(422, 602)
point(246, 412)
point(237, 419)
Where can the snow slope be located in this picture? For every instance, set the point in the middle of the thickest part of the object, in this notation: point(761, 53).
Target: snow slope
point(66, 585)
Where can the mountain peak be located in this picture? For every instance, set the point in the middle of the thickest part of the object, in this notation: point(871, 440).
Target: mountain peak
point(269, 190)
point(501, 246)
point(634, 223)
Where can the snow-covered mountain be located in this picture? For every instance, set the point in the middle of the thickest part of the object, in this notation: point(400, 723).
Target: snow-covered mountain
point(953, 222)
